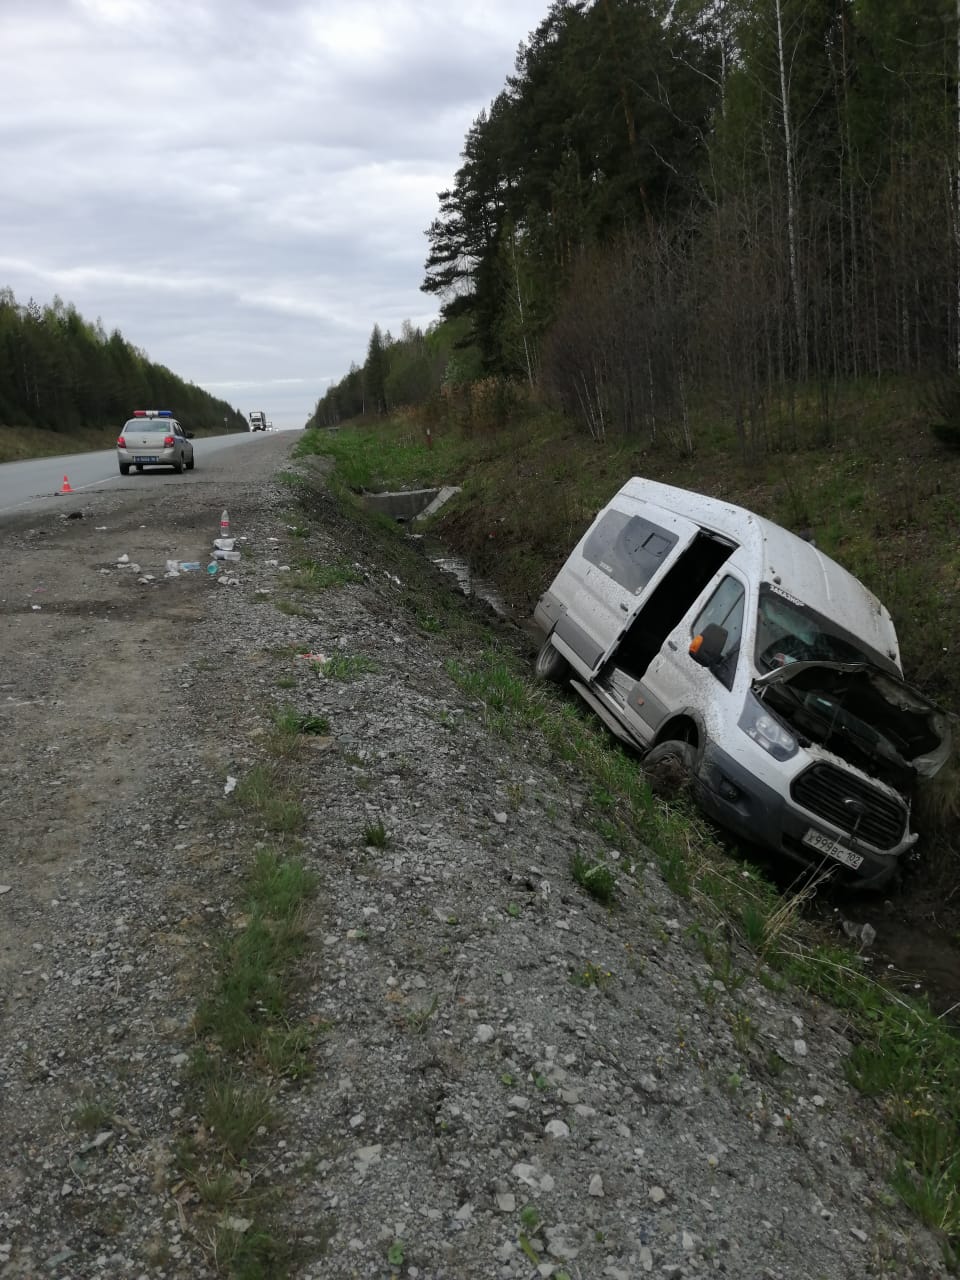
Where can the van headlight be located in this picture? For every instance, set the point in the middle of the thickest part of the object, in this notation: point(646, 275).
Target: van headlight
point(766, 730)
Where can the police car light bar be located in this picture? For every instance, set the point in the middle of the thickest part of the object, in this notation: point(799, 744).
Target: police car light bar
point(153, 413)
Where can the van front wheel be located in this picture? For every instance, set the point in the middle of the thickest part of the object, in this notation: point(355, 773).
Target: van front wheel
point(551, 665)
point(669, 767)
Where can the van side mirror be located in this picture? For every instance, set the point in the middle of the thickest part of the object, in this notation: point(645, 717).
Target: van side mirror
point(707, 648)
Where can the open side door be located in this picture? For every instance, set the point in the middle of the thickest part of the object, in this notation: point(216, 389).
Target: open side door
point(612, 576)
point(670, 600)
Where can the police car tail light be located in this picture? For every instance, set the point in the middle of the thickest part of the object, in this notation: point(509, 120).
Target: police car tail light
point(168, 442)
point(121, 442)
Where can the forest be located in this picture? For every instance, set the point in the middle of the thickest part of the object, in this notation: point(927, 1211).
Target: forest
point(674, 204)
point(61, 373)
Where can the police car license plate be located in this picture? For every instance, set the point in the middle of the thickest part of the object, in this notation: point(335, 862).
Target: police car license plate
point(832, 848)
point(138, 457)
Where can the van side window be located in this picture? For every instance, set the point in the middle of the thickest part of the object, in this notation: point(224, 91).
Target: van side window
point(726, 608)
point(628, 549)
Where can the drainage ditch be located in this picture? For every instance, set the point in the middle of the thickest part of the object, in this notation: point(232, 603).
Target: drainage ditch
point(410, 507)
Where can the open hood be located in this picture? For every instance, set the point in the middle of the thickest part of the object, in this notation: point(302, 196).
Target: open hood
point(865, 715)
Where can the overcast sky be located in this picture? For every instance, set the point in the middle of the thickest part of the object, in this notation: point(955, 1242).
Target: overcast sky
point(241, 187)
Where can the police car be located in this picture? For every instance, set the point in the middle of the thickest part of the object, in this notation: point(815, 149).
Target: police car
point(154, 438)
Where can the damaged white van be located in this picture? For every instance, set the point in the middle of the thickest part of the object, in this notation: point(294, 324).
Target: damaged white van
point(704, 634)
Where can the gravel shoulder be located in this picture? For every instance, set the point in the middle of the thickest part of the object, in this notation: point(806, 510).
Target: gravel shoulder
point(508, 1078)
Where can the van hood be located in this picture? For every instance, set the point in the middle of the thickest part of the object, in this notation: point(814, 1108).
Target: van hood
point(865, 715)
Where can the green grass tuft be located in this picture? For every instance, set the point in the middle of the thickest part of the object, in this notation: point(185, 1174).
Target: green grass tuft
point(596, 877)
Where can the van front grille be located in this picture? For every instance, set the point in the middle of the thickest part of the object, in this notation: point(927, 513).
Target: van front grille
point(851, 804)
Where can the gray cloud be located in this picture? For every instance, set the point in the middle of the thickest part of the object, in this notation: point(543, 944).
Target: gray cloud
point(240, 186)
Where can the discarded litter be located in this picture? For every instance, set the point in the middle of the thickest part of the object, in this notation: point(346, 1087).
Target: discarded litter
point(187, 566)
point(224, 544)
point(224, 524)
point(230, 785)
point(229, 582)
point(100, 528)
point(213, 568)
point(226, 555)
point(173, 569)
point(36, 608)
point(313, 657)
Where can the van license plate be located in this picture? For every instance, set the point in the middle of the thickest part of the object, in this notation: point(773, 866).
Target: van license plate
point(832, 848)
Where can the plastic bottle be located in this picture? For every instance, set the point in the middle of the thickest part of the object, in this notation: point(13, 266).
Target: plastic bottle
point(224, 524)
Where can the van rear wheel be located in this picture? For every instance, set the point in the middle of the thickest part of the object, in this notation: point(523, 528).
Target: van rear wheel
point(669, 767)
point(551, 665)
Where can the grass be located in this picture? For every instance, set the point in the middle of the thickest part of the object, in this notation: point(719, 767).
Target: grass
point(92, 1117)
point(263, 792)
point(376, 835)
point(311, 575)
point(236, 1115)
point(371, 462)
point(289, 724)
point(590, 975)
point(343, 666)
point(596, 877)
point(18, 443)
point(291, 608)
point(245, 1044)
point(257, 962)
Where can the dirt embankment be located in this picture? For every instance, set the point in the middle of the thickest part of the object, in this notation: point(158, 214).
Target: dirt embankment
point(508, 1079)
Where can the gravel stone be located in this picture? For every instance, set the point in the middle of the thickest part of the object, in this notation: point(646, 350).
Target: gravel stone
point(439, 965)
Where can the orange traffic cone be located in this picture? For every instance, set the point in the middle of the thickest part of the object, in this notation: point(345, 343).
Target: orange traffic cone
point(65, 488)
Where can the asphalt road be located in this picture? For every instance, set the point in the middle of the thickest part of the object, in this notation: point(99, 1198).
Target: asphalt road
point(37, 482)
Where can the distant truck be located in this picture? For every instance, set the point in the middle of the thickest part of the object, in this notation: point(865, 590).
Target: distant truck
point(258, 420)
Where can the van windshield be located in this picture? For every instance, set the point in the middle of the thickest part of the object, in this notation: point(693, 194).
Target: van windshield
point(788, 631)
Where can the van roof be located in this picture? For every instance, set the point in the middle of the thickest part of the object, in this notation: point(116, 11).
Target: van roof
point(781, 558)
